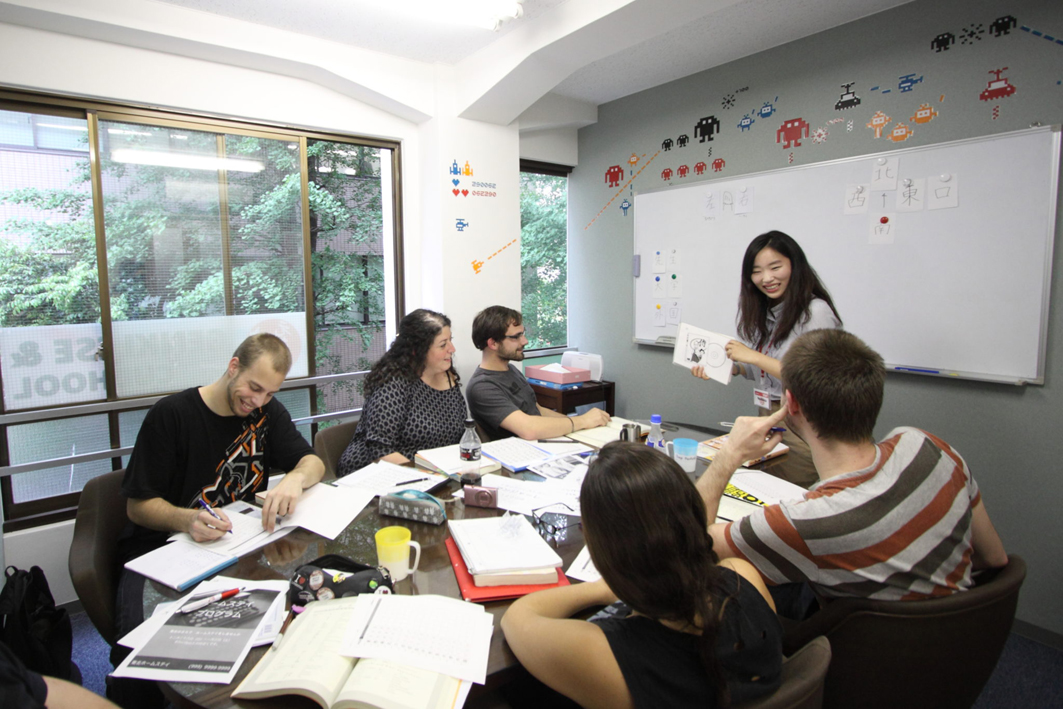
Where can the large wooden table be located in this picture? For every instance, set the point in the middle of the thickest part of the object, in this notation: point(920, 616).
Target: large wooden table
point(434, 576)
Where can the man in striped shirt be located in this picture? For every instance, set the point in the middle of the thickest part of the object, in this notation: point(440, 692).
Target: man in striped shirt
point(897, 520)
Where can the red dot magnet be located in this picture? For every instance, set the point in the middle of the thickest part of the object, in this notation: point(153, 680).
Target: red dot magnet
point(884, 220)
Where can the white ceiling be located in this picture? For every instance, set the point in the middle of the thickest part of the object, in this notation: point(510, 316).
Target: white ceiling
point(714, 32)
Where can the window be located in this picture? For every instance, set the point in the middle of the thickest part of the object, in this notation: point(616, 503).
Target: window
point(544, 253)
point(206, 232)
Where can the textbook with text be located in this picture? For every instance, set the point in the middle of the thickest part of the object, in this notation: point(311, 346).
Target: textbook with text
point(305, 661)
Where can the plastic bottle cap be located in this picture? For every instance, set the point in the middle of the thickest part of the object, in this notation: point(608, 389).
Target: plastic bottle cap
point(655, 418)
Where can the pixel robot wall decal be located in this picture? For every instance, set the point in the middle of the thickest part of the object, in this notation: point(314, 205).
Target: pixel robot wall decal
point(746, 123)
point(666, 174)
point(682, 140)
point(633, 160)
point(792, 131)
point(706, 128)
point(1003, 25)
point(924, 114)
point(667, 144)
point(767, 109)
point(683, 170)
point(624, 206)
point(614, 175)
point(699, 168)
point(901, 132)
point(718, 164)
point(878, 122)
point(943, 41)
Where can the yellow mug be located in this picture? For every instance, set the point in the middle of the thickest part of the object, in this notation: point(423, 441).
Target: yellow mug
point(393, 551)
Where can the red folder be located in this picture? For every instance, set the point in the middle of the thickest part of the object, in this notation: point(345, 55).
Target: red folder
point(471, 592)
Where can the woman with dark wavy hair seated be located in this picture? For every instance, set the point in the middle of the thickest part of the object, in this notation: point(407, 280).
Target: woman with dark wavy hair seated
point(413, 400)
point(691, 631)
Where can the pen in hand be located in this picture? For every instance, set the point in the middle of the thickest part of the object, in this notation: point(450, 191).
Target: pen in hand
point(210, 511)
point(773, 429)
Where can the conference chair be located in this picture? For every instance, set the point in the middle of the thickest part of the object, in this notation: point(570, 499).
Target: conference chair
point(802, 679)
point(933, 654)
point(93, 560)
point(329, 444)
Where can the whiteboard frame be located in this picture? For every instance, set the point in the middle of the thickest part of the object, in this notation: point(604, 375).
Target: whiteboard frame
point(1050, 240)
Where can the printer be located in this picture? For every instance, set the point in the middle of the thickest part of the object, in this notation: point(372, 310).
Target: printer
point(584, 360)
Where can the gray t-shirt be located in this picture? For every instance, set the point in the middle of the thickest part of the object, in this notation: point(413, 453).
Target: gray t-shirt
point(495, 395)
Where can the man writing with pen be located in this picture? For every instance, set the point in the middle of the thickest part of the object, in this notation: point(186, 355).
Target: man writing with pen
point(197, 451)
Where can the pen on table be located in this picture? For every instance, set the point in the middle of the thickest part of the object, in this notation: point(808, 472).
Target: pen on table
point(284, 627)
point(567, 441)
point(773, 429)
point(366, 628)
point(196, 605)
point(410, 482)
point(210, 510)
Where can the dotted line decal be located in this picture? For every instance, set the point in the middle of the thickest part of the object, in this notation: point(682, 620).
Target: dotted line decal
point(619, 192)
point(477, 265)
point(1035, 33)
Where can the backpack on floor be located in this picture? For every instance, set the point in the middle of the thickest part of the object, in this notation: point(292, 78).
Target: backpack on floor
point(33, 628)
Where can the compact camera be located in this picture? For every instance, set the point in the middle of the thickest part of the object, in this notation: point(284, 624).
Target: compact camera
point(477, 496)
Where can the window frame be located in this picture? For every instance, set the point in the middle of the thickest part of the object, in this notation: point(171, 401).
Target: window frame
point(62, 507)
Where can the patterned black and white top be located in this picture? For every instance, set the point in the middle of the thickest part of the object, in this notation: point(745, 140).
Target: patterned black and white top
point(404, 417)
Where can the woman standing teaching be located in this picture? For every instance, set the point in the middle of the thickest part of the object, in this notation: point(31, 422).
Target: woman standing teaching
point(780, 299)
point(412, 397)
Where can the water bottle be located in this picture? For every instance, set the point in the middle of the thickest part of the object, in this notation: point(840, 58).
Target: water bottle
point(656, 438)
point(469, 448)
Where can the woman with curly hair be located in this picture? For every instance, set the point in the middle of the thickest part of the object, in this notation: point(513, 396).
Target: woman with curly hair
point(691, 631)
point(780, 299)
point(413, 400)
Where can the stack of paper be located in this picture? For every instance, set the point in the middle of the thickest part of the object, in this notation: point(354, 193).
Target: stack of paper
point(516, 453)
point(493, 545)
point(448, 460)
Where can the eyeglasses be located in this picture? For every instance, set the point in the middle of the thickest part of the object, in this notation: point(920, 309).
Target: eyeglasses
point(550, 528)
point(515, 337)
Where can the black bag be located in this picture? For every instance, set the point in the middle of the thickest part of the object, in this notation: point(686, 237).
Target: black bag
point(314, 582)
point(33, 628)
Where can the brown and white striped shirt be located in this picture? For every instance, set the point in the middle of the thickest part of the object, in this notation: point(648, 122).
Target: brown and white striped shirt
point(897, 530)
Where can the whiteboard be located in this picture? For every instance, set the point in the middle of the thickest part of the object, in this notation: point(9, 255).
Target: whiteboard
point(956, 291)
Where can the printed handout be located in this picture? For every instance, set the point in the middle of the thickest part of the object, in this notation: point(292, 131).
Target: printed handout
point(694, 346)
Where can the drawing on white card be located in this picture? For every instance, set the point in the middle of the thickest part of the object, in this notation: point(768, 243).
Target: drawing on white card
point(675, 286)
point(883, 200)
point(942, 191)
point(911, 195)
point(728, 202)
point(658, 262)
point(856, 199)
point(673, 260)
point(694, 346)
point(711, 204)
point(674, 313)
point(659, 319)
point(883, 229)
point(884, 174)
point(744, 201)
point(658, 285)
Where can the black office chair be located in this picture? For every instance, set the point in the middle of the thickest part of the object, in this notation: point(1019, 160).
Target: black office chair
point(93, 559)
point(932, 654)
point(329, 444)
point(803, 674)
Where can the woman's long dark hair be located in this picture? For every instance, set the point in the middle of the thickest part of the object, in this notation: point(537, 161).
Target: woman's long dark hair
point(405, 359)
point(645, 526)
point(804, 286)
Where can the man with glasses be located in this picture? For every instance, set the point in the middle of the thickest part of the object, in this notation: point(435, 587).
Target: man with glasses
point(500, 398)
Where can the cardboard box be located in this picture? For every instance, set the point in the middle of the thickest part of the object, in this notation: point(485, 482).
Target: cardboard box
point(572, 376)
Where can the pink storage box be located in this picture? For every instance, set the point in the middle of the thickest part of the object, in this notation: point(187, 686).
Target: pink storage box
point(573, 375)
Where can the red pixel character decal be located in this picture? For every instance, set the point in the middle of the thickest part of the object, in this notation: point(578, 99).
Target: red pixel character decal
point(613, 176)
point(666, 173)
point(718, 164)
point(683, 170)
point(998, 87)
point(700, 168)
point(792, 131)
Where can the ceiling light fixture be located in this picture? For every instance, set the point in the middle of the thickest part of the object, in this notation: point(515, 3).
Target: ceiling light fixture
point(486, 14)
point(190, 162)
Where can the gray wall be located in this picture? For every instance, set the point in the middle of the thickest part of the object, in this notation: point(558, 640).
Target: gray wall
point(1011, 436)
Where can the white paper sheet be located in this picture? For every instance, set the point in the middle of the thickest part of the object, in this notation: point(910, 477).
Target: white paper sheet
point(694, 346)
point(582, 568)
point(382, 477)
